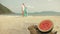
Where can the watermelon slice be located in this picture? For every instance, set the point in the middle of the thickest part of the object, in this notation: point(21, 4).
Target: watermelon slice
point(45, 25)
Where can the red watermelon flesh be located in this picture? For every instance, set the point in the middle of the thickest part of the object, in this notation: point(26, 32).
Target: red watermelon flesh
point(45, 25)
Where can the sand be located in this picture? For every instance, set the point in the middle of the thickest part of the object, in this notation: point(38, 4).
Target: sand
point(18, 24)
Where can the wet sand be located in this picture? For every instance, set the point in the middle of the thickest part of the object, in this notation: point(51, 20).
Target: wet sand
point(18, 24)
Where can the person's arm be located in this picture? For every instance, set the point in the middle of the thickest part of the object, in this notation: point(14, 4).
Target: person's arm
point(34, 30)
point(53, 32)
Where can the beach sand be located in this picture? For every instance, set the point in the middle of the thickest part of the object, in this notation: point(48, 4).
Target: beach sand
point(19, 24)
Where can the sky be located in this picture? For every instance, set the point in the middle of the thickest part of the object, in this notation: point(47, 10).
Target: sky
point(32, 5)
